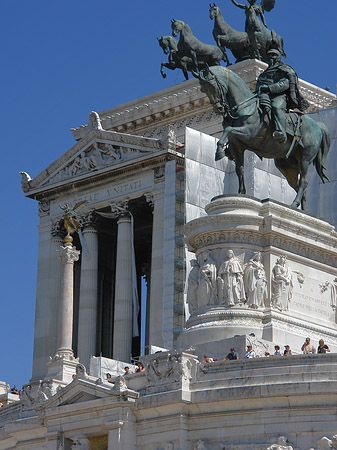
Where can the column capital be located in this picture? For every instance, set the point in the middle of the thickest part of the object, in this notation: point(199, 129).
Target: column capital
point(120, 209)
point(88, 220)
point(149, 198)
point(68, 254)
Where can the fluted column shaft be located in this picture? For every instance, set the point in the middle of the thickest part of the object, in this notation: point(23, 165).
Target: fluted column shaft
point(68, 255)
point(55, 277)
point(155, 308)
point(88, 297)
point(122, 347)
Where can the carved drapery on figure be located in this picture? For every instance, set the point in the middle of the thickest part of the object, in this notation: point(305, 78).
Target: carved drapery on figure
point(192, 287)
point(206, 293)
point(255, 282)
point(282, 285)
point(230, 281)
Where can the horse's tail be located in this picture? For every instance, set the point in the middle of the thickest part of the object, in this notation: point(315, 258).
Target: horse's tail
point(322, 154)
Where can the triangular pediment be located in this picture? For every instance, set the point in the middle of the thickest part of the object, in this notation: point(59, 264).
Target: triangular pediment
point(78, 391)
point(100, 151)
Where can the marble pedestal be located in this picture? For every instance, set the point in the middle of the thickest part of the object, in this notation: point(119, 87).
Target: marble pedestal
point(293, 245)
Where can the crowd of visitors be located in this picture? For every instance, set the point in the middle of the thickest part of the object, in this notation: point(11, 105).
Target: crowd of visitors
point(306, 348)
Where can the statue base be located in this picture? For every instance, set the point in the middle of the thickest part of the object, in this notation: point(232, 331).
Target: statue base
point(297, 266)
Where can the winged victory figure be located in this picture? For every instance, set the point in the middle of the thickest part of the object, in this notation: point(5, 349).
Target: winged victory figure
point(70, 218)
point(259, 35)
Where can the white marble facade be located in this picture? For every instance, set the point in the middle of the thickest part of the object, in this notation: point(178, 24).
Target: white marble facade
point(252, 271)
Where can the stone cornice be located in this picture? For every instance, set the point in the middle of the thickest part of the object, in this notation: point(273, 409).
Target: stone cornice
point(185, 100)
point(146, 162)
point(248, 221)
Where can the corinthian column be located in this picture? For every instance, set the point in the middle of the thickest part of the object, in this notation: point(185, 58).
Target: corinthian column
point(68, 255)
point(122, 344)
point(88, 291)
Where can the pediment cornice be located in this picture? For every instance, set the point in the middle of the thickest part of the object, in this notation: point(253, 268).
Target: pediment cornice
point(98, 152)
point(80, 391)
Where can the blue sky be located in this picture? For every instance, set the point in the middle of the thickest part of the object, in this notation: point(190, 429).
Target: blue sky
point(61, 60)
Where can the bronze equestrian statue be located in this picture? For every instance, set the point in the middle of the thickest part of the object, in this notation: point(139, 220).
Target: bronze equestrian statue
point(246, 125)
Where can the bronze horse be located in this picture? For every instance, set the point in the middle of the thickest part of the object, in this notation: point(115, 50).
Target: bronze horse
point(198, 51)
point(244, 128)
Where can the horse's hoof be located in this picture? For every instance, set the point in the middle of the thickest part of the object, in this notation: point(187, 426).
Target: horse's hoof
point(219, 155)
point(164, 75)
point(294, 205)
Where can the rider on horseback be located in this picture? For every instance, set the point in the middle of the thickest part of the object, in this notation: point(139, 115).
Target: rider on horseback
point(277, 88)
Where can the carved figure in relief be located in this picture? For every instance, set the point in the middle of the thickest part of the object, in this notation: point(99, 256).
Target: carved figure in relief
point(281, 444)
point(282, 284)
point(192, 287)
point(327, 444)
point(255, 281)
point(206, 294)
point(230, 281)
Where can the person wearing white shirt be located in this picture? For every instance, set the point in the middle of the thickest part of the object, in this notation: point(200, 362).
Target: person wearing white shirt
point(249, 353)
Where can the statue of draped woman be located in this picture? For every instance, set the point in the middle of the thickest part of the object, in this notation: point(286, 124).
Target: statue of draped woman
point(282, 285)
point(206, 294)
point(255, 281)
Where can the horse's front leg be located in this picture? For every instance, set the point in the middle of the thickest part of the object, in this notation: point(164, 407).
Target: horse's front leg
point(238, 153)
point(220, 148)
point(163, 74)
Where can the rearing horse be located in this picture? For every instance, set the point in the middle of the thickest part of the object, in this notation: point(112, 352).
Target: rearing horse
point(244, 128)
point(225, 36)
point(191, 47)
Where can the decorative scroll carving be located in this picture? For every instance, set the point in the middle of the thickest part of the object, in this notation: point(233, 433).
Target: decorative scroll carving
point(282, 285)
point(25, 181)
point(255, 282)
point(44, 207)
point(167, 368)
point(230, 281)
point(35, 393)
point(159, 172)
point(149, 198)
point(94, 122)
point(57, 229)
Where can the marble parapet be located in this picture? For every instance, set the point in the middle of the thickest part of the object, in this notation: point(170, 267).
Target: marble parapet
point(184, 101)
point(243, 404)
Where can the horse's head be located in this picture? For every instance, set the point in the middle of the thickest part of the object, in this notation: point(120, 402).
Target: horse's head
point(164, 44)
point(214, 87)
point(177, 26)
point(213, 11)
